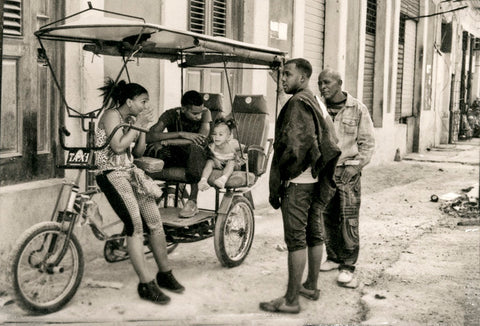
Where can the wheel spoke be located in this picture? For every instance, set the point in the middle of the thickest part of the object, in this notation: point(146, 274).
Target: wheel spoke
point(235, 230)
point(39, 285)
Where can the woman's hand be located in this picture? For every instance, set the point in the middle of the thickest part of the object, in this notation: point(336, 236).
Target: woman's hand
point(143, 118)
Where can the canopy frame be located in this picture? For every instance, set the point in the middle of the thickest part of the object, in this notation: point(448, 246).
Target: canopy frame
point(188, 49)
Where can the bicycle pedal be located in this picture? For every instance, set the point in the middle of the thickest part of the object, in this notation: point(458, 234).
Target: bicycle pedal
point(120, 253)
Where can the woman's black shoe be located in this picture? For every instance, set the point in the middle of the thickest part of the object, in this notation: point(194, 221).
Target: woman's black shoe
point(150, 291)
point(168, 281)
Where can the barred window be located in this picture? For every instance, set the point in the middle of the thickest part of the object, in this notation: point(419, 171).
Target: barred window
point(12, 17)
point(208, 17)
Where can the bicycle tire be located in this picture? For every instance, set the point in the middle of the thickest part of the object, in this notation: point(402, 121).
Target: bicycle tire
point(37, 264)
point(226, 227)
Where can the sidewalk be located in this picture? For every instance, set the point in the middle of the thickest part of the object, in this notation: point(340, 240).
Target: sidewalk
point(463, 152)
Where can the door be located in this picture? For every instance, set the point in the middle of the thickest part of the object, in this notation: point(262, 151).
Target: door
point(314, 38)
point(406, 68)
point(29, 108)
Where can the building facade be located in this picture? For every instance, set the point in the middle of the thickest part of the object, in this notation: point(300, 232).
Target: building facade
point(414, 63)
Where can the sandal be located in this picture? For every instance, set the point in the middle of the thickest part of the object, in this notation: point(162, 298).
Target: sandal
point(279, 305)
point(309, 294)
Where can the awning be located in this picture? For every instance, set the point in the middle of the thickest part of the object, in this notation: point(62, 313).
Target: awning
point(121, 37)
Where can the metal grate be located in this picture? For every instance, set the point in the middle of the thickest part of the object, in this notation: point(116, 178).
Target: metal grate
point(12, 17)
point(371, 17)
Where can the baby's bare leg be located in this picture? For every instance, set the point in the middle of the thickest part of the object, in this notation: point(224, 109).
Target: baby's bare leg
point(229, 167)
point(227, 172)
point(207, 170)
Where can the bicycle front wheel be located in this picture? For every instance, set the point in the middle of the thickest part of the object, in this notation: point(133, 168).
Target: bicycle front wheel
point(44, 278)
point(234, 232)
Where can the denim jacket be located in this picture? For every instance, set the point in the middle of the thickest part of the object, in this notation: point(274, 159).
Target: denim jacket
point(354, 129)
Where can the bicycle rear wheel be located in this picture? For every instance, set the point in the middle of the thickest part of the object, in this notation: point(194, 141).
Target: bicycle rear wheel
point(38, 284)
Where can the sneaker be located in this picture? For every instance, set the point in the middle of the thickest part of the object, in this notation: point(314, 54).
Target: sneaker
point(189, 210)
point(353, 284)
point(150, 291)
point(345, 276)
point(168, 281)
point(328, 265)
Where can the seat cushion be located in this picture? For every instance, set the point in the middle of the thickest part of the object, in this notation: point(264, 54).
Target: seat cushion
point(175, 174)
point(238, 179)
point(149, 164)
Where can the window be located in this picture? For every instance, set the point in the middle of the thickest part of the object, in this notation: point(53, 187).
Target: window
point(208, 17)
point(12, 17)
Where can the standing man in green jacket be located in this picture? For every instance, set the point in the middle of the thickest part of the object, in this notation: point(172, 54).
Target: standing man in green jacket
point(355, 132)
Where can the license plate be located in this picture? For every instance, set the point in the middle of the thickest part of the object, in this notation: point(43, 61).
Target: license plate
point(78, 157)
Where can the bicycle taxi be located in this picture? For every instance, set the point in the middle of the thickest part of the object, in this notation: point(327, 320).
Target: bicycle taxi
point(47, 263)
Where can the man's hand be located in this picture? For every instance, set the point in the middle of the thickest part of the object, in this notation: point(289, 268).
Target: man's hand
point(197, 139)
point(348, 173)
point(275, 201)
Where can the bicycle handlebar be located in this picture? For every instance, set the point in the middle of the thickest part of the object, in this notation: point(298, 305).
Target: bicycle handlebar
point(64, 132)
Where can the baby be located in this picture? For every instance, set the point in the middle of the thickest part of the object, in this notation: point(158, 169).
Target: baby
point(223, 154)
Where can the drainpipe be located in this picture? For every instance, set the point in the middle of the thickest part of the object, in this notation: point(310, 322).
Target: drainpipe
point(469, 72)
point(463, 108)
point(451, 110)
point(1, 53)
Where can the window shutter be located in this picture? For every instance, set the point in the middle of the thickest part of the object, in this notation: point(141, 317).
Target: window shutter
point(12, 17)
point(219, 18)
point(197, 16)
point(208, 17)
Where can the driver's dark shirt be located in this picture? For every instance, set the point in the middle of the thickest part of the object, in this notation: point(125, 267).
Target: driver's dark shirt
point(174, 120)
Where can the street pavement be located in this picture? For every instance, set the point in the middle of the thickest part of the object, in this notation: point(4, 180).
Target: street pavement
point(416, 266)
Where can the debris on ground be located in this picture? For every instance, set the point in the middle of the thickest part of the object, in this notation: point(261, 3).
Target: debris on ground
point(281, 247)
point(103, 284)
point(465, 206)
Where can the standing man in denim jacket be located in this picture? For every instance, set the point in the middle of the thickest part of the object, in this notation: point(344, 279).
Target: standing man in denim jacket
point(355, 132)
